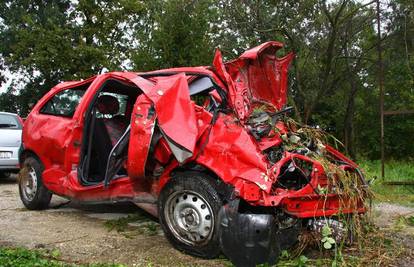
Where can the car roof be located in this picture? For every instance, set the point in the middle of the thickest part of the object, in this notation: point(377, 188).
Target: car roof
point(7, 113)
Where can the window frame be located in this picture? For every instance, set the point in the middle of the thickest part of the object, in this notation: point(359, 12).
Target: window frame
point(83, 88)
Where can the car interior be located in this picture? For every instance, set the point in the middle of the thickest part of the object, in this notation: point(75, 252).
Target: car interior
point(108, 120)
point(107, 127)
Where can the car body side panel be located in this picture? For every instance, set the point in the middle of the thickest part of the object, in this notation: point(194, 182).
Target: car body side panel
point(53, 133)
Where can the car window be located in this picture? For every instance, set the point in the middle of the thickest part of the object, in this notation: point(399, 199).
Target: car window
point(9, 122)
point(64, 103)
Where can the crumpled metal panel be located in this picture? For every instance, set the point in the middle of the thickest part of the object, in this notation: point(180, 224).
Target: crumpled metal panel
point(142, 129)
point(53, 133)
point(176, 114)
point(174, 109)
point(233, 155)
point(257, 76)
point(236, 98)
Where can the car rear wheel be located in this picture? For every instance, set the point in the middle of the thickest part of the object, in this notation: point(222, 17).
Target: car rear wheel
point(34, 195)
point(188, 209)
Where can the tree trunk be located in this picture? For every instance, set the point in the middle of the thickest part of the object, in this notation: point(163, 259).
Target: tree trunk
point(349, 119)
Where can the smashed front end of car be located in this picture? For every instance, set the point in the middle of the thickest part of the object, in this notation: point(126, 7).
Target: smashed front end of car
point(297, 181)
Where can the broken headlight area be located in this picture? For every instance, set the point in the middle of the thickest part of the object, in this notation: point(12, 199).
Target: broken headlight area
point(293, 175)
point(293, 151)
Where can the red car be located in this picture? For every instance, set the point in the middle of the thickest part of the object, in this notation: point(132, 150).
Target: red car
point(201, 148)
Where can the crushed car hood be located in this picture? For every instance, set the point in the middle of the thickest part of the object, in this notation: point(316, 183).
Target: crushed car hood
point(256, 77)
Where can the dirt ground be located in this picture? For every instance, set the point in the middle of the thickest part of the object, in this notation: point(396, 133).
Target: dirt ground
point(81, 235)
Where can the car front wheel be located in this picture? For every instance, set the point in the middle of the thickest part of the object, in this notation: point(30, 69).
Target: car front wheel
point(34, 195)
point(188, 209)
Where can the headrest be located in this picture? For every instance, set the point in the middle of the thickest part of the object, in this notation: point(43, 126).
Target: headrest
point(108, 105)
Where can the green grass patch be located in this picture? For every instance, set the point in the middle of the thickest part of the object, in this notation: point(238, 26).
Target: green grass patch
point(394, 171)
point(22, 257)
point(121, 224)
point(145, 225)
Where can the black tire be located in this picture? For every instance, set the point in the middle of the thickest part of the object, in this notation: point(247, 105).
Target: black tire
point(193, 183)
point(40, 196)
point(5, 174)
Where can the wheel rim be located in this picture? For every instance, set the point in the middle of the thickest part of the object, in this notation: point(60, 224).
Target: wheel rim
point(29, 184)
point(189, 217)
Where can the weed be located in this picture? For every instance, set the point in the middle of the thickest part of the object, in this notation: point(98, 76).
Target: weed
point(403, 221)
point(327, 240)
point(152, 228)
point(21, 257)
point(120, 225)
point(376, 249)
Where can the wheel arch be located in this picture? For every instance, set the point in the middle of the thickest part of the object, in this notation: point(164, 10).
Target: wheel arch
point(28, 153)
point(224, 189)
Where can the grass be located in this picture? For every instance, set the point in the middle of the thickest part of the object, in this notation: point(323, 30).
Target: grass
point(378, 248)
point(22, 257)
point(121, 225)
point(394, 171)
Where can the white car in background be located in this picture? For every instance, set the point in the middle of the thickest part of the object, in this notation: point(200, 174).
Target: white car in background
point(10, 141)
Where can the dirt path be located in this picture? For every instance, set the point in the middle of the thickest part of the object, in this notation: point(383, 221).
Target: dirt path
point(79, 231)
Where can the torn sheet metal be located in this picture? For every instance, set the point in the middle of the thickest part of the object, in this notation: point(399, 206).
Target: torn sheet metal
point(175, 112)
point(260, 77)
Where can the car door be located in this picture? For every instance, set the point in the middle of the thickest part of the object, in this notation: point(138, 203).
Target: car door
point(50, 128)
point(165, 104)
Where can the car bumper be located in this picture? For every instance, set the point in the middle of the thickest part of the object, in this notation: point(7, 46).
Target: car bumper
point(252, 238)
point(12, 163)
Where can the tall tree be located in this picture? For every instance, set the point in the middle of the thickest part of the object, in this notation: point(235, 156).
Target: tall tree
point(175, 33)
point(50, 41)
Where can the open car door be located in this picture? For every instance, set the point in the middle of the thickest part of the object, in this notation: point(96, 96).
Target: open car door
point(165, 104)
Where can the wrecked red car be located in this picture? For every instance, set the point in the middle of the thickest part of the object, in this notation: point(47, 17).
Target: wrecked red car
point(205, 149)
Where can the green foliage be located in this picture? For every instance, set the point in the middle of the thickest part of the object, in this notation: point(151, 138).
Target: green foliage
point(21, 257)
point(333, 81)
point(140, 224)
point(50, 41)
point(394, 171)
point(121, 224)
point(175, 33)
point(327, 240)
